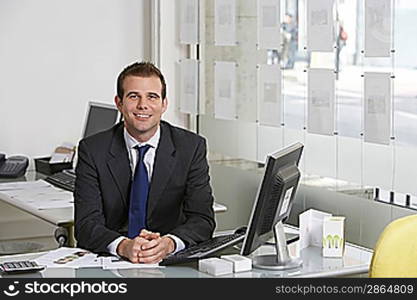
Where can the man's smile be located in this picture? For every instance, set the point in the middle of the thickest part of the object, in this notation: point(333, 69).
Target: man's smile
point(141, 116)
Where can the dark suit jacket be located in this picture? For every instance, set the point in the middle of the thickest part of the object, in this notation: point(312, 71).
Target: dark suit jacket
point(180, 198)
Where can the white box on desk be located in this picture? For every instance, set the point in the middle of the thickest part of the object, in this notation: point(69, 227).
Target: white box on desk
point(215, 266)
point(333, 236)
point(240, 263)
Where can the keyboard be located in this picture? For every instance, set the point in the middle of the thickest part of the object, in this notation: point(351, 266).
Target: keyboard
point(204, 249)
point(63, 180)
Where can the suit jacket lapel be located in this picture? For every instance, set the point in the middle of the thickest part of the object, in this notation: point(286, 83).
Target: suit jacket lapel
point(163, 167)
point(119, 164)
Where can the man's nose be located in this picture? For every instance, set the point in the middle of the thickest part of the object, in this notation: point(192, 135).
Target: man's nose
point(142, 104)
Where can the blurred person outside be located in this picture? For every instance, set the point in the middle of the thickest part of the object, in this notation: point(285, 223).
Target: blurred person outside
point(341, 39)
point(289, 42)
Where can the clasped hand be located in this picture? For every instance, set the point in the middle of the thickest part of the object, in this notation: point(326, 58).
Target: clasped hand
point(147, 247)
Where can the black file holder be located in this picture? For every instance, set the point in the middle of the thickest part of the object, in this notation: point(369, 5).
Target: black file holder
point(42, 165)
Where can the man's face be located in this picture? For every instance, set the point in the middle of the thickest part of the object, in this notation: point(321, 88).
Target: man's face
point(142, 106)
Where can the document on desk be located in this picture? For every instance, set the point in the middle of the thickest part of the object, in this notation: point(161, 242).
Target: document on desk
point(73, 258)
point(112, 263)
point(22, 185)
point(38, 194)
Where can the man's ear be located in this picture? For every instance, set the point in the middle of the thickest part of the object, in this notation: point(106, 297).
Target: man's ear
point(118, 103)
point(164, 104)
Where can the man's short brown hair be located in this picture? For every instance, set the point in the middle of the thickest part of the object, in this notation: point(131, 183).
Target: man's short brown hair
point(140, 69)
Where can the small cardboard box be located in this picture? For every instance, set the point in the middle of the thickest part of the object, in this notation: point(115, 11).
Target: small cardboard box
point(311, 228)
point(333, 236)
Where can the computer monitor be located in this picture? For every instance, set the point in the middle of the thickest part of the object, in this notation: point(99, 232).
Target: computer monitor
point(100, 116)
point(272, 207)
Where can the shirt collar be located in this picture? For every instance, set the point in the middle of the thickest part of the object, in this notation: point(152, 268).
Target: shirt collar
point(131, 142)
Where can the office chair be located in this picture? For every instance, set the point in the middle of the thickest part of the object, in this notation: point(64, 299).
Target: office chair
point(395, 253)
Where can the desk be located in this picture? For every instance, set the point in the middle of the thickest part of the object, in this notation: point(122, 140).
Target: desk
point(60, 217)
point(355, 261)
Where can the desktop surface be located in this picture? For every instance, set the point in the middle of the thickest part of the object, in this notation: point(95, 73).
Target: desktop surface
point(56, 216)
point(355, 261)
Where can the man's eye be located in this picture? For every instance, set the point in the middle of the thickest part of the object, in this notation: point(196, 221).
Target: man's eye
point(133, 96)
point(153, 97)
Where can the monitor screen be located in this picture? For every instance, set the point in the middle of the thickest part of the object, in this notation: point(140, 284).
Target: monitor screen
point(100, 116)
point(273, 205)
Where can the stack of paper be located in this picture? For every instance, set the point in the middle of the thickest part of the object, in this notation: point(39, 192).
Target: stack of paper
point(69, 258)
point(38, 194)
point(75, 258)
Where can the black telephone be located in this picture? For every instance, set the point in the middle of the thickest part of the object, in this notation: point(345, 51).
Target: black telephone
point(14, 166)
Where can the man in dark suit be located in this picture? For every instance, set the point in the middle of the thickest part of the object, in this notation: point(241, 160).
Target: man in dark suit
point(142, 189)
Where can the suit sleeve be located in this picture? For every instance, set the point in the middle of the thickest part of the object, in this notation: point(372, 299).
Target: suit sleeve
point(90, 229)
point(198, 201)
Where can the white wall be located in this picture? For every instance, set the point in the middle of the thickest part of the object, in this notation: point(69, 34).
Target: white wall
point(55, 56)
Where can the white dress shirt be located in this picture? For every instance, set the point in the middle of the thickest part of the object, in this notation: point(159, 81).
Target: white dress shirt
point(148, 160)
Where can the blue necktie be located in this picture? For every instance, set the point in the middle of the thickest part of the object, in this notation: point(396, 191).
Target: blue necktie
point(138, 195)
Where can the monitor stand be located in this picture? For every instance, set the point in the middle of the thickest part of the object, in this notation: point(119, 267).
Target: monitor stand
point(281, 260)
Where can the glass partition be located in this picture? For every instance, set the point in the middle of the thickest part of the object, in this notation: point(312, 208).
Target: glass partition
point(340, 155)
